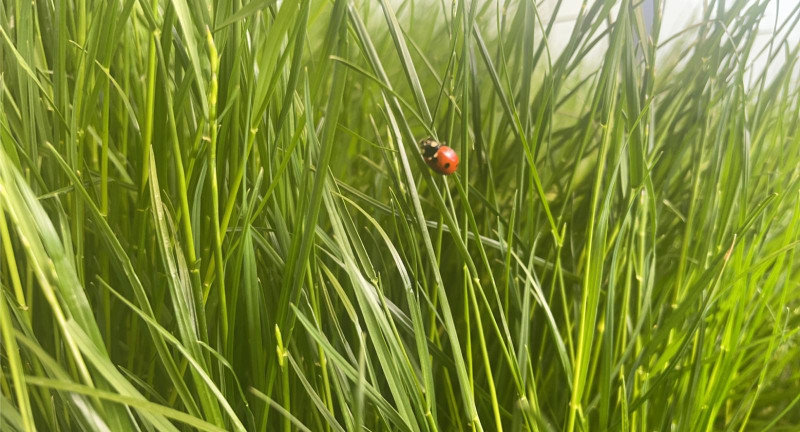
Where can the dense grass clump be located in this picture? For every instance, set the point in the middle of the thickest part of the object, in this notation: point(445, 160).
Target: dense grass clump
point(214, 216)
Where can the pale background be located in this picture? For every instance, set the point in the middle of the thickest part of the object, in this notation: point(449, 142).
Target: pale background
point(678, 15)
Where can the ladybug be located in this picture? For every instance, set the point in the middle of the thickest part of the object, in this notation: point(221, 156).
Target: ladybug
point(439, 157)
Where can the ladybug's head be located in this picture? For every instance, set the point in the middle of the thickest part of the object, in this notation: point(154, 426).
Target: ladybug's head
point(429, 147)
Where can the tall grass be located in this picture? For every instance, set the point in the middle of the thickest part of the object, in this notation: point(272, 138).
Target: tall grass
point(214, 216)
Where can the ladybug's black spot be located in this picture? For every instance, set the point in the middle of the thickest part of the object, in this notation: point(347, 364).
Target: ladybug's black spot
point(447, 165)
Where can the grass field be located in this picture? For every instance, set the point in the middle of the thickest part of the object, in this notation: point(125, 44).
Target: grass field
point(214, 216)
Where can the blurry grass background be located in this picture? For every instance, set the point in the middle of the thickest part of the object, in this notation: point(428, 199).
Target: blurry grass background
point(214, 216)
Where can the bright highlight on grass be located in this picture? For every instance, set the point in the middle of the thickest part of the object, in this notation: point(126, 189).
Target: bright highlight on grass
point(215, 216)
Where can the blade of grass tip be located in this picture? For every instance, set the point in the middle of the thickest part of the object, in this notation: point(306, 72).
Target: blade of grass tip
point(623, 398)
point(286, 396)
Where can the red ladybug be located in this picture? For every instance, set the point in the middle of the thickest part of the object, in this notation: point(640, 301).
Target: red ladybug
point(440, 158)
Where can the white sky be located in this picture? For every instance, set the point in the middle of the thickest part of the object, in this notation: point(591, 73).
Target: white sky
point(678, 15)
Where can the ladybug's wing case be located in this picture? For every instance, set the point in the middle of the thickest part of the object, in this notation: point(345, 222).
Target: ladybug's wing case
point(445, 161)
